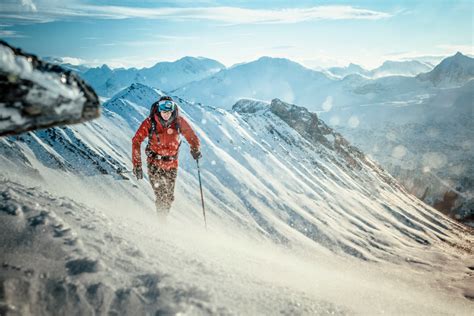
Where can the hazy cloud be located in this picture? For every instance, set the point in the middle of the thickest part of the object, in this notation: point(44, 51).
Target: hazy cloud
point(5, 33)
point(237, 15)
point(466, 49)
point(71, 60)
point(282, 47)
point(29, 5)
point(176, 37)
point(230, 15)
point(17, 6)
point(10, 34)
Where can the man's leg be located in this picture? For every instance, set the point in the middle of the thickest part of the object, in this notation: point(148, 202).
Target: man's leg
point(162, 182)
point(168, 192)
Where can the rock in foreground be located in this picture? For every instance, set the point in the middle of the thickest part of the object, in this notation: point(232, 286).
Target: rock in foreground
point(35, 94)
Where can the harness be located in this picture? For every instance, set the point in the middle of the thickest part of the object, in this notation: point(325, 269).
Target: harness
point(174, 120)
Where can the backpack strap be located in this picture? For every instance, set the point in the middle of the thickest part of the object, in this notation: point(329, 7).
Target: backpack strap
point(153, 122)
point(177, 125)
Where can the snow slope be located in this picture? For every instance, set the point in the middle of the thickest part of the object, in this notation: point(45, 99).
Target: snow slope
point(300, 222)
point(62, 257)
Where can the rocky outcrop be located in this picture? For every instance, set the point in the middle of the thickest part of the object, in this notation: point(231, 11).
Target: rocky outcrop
point(36, 94)
point(314, 130)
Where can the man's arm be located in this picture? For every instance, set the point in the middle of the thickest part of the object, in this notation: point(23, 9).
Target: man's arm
point(190, 136)
point(137, 140)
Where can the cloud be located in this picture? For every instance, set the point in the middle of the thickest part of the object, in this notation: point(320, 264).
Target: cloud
point(236, 15)
point(73, 60)
point(28, 5)
point(4, 33)
point(18, 6)
point(465, 49)
point(228, 15)
point(176, 37)
point(11, 34)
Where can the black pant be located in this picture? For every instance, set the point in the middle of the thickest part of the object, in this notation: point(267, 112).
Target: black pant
point(162, 182)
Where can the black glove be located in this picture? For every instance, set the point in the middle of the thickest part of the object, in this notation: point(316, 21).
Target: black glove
point(196, 153)
point(138, 172)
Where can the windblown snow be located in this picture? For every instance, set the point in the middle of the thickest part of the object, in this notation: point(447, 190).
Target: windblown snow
point(298, 223)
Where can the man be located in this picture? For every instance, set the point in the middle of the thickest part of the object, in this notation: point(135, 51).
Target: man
point(163, 128)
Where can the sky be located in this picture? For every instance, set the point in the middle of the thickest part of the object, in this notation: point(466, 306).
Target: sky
point(317, 34)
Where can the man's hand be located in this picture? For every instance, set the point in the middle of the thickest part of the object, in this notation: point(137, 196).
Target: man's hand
point(196, 153)
point(138, 172)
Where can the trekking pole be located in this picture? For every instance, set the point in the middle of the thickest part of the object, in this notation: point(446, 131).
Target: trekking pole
point(202, 197)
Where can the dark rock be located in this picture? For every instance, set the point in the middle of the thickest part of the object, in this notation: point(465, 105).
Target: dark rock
point(84, 265)
point(303, 121)
point(11, 209)
point(39, 219)
point(36, 94)
point(249, 106)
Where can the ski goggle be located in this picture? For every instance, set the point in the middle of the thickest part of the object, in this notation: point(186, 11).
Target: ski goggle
point(166, 106)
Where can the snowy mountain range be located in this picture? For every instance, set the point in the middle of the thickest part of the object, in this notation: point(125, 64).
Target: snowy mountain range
point(263, 79)
point(388, 68)
point(369, 107)
point(167, 75)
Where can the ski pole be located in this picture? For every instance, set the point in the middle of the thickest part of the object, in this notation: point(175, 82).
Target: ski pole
point(202, 197)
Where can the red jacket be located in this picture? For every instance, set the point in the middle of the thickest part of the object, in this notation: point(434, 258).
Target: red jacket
point(168, 144)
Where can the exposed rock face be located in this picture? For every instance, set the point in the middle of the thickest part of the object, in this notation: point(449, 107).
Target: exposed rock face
point(249, 106)
point(310, 127)
point(35, 94)
point(304, 122)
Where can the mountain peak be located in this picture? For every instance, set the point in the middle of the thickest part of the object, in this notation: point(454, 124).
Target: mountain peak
point(455, 70)
point(274, 59)
point(137, 85)
point(275, 62)
point(249, 106)
point(105, 67)
point(137, 90)
point(200, 62)
point(190, 59)
point(457, 57)
point(309, 126)
point(291, 113)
